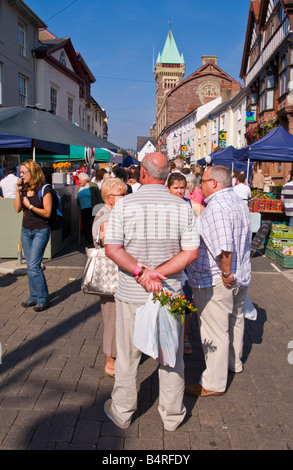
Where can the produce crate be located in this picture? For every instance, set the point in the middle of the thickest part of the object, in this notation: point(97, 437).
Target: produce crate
point(277, 242)
point(265, 204)
point(283, 260)
point(270, 252)
point(284, 232)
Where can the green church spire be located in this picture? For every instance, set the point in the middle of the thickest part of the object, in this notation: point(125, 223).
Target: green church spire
point(170, 54)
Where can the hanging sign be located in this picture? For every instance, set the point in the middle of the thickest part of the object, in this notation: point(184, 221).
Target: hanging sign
point(222, 139)
point(89, 155)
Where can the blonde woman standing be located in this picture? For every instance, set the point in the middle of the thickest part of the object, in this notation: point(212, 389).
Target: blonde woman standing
point(35, 232)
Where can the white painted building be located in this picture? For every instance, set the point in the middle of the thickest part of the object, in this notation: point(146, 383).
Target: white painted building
point(182, 135)
point(145, 146)
point(36, 67)
point(18, 37)
point(227, 120)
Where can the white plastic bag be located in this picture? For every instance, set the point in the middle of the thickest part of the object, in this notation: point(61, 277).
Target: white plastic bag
point(249, 311)
point(145, 335)
point(168, 332)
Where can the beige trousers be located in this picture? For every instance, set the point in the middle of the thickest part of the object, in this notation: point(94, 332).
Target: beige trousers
point(221, 324)
point(108, 308)
point(124, 394)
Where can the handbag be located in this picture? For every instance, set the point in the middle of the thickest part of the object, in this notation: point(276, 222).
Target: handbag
point(100, 275)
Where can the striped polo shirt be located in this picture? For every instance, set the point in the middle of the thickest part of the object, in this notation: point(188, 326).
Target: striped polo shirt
point(153, 226)
point(287, 192)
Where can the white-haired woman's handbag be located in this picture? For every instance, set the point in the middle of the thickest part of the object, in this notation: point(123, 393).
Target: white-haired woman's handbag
point(100, 274)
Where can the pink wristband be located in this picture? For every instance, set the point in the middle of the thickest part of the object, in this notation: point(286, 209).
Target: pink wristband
point(137, 269)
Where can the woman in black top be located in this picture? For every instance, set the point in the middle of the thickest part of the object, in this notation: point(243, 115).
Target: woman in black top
point(35, 232)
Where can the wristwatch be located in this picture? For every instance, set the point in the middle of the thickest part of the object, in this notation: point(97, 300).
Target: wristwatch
point(225, 275)
point(30, 207)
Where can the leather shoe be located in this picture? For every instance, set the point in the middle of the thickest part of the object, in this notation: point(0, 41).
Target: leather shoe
point(28, 303)
point(41, 307)
point(197, 390)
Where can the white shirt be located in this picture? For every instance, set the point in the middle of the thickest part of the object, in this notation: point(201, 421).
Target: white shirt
point(224, 225)
point(8, 185)
point(242, 190)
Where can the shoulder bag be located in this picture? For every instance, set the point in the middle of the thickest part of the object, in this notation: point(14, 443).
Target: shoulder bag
point(100, 274)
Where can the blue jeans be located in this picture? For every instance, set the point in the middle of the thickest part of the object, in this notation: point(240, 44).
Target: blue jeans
point(34, 243)
point(291, 221)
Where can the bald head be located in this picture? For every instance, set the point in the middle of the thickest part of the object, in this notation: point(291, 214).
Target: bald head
point(155, 167)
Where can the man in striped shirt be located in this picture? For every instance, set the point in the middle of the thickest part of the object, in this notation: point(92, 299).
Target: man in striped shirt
point(287, 199)
point(219, 279)
point(152, 237)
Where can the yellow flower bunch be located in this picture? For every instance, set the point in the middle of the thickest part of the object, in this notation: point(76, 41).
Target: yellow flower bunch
point(176, 303)
point(59, 165)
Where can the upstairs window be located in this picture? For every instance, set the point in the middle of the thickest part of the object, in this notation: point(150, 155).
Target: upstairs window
point(1, 67)
point(62, 58)
point(22, 90)
point(53, 99)
point(283, 76)
point(70, 109)
point(21, 39)
point(267, 90)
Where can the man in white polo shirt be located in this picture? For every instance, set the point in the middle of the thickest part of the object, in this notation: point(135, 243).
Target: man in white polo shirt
point(242, 190)
point(152, 237)
point(8, 184)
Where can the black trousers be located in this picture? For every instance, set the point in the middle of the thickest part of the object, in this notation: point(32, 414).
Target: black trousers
point(87, 222)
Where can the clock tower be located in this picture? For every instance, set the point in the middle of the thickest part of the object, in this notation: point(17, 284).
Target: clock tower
point(169, 72)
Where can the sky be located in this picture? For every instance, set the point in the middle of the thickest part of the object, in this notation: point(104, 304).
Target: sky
point(120, 41)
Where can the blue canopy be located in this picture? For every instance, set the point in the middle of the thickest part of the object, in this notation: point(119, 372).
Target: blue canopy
point(128, 161)
point(276, 146)
point(11, 144)
point(226, 158)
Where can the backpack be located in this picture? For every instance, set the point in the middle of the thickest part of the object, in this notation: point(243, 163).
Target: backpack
point(56, 218)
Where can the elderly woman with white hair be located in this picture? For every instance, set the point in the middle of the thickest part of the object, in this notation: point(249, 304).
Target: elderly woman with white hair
point(88, 196)
point(194, 194)
point(112, 190)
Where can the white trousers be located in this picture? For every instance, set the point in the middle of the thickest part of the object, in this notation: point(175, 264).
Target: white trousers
point(221, 324)
point(124, 394)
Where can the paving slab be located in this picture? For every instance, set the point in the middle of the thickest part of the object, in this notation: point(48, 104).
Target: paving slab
point(52, 384)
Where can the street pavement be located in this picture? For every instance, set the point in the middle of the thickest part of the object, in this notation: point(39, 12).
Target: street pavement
point(52, 383)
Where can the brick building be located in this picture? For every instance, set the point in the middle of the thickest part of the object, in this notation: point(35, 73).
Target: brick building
point(267, 71)
point(175, 97)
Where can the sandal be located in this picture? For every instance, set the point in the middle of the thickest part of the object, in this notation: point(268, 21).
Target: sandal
point(187, 348)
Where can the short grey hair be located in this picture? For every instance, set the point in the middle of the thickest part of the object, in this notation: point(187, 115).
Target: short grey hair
point(83, 176)
point(222, 174)
point(191, 181)
point(179, 163)
point(154, 171)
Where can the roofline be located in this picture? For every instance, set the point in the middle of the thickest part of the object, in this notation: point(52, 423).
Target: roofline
point(26, 11)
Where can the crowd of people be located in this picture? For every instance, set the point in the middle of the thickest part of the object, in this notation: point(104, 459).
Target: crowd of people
point(207, 257)
point(165, 226)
